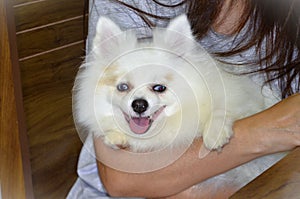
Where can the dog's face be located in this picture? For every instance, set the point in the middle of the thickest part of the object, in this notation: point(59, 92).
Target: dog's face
point(141, 81)
point(142, 90)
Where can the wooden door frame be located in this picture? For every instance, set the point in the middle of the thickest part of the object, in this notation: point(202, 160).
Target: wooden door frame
point(15, 169)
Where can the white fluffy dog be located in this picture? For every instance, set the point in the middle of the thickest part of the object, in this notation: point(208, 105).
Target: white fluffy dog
point(145, 95)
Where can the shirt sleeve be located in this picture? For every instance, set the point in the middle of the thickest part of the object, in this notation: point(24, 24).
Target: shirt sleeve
point(88, 184)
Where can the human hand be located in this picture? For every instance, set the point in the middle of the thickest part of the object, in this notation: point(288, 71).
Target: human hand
point(273, 130)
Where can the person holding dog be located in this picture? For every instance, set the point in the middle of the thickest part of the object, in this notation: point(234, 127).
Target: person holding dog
point(264, 35)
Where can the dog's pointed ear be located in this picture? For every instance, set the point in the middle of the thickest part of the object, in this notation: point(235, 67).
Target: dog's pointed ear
point(106, 38)
point(180, 25)
point(106, 29)
point(179, 35)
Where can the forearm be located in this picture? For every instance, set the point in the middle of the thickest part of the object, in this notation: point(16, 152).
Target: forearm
point(177, 176)
point(273, 130)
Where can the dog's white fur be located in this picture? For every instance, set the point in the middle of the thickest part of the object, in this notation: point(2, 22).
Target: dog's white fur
point(200, 99)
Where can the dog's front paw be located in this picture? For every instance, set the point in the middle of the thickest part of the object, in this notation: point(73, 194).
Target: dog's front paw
point(116, 140)
point(216, 138)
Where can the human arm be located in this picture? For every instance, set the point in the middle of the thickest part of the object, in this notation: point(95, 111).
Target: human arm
point(273, 130)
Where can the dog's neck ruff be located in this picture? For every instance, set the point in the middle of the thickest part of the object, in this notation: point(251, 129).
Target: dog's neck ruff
point(141, 124)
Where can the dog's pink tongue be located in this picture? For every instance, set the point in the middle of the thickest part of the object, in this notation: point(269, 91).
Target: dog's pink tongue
point(139, 125)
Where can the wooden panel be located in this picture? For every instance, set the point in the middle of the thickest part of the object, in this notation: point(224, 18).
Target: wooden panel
point(45, 12)
point(50, 44)
point(44, 39)
point(55, 70)
point(54, 143)
point(18, 2)
point(11, 166)
point(281, 181)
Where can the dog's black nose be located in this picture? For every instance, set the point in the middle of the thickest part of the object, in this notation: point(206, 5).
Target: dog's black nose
point(139, 105)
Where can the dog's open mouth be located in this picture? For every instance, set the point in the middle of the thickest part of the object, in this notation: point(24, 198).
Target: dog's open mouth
point(141, 124)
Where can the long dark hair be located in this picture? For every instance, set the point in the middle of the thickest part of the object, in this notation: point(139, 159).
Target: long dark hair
point(276, 22)
point(273, 23)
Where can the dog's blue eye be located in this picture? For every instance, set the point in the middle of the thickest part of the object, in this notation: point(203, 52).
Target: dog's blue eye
point(122, 87)
point(159, 88)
